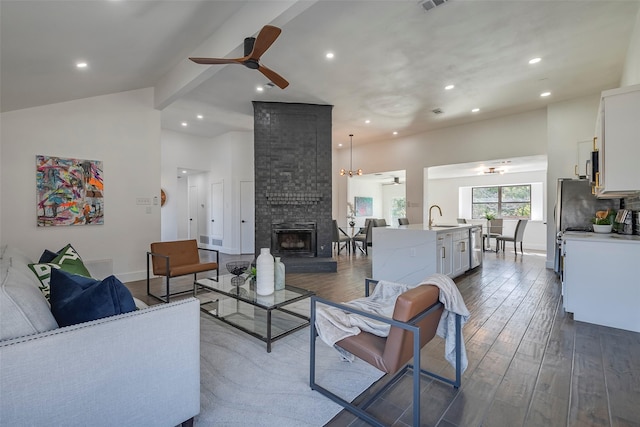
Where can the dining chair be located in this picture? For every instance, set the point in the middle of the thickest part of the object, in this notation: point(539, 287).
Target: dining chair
point(364, 238)
point(340, 238)
point(403, 221)
point(517, 237)
point(462, 221)
point(494, 231)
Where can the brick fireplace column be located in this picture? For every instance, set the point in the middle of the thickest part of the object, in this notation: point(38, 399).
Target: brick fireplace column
point(292, 147)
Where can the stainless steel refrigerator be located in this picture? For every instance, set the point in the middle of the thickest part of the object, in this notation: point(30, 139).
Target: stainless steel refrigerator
point(574, 209)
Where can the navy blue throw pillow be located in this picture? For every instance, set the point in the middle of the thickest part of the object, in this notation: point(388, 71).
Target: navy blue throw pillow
point(77, 299)
point(47, 256)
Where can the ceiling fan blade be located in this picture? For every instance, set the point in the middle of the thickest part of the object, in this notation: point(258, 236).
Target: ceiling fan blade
point(211, 61)
point(267, 35)
point(276, 78)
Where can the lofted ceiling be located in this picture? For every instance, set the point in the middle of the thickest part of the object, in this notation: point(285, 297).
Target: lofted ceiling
point(392, 58)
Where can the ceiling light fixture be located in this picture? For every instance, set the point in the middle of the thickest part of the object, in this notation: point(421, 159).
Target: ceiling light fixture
point(534, 60)
point(200, 116)
point(329, 55)
point(545, 94)
point(475, 110)
point(395, 132)
point(259, 89)
point(449, 87)
point(82, 65)
point(494, 170)
point(367, 121)
point(350, 173)
point(184, 124)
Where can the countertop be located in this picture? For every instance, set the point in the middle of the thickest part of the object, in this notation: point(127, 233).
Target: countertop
point(602, 237)
point(436, 227)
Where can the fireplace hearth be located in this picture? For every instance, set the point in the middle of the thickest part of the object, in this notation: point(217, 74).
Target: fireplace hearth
point(293, 239)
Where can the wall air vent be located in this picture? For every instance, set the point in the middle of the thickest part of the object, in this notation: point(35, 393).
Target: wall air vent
point(430, 4)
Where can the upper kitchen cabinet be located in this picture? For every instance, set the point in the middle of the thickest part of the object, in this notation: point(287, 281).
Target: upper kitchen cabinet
point(618, 133)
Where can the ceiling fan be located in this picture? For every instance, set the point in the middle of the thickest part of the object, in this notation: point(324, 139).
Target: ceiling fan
point(396, 181)
point(253, 50)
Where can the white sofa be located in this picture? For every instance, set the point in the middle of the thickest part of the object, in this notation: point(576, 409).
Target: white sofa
point(135, 369)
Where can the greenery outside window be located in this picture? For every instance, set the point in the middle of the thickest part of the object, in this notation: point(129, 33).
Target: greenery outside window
point(508, 201)
point(398, 209)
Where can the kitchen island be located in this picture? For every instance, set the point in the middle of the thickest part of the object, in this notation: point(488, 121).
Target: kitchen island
point(410, 253)
point(601, 279)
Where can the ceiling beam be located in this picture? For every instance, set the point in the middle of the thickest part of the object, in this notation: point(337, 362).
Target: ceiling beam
point(187, 75)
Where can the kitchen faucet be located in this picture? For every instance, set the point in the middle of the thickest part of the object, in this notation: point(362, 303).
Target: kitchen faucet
point(439, 210)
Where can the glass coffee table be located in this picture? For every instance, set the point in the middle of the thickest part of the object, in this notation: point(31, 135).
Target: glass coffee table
point(263, 317)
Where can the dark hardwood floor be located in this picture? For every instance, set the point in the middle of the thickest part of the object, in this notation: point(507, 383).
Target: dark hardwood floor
point(530, 364)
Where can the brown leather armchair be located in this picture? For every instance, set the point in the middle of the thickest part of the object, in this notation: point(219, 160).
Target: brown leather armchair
point(415, 320)
point(177, 258)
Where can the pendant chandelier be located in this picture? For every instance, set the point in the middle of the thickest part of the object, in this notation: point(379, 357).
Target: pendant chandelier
point(350, 172)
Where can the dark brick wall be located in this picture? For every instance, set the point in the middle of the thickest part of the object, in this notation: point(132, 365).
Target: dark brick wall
point(292, 148)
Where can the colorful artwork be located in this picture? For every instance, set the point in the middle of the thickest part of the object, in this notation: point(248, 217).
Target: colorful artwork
point(70, 191)
point(364, 206)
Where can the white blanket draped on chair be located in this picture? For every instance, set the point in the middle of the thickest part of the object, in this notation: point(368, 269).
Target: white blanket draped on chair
point(334, 324)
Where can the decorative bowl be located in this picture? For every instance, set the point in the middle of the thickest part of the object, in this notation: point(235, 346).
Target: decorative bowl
point(238, 267)
point(602, 228)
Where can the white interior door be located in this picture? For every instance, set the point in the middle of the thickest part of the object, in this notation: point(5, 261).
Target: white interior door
point(217, 211)
point(247, 217)
point(193, 212)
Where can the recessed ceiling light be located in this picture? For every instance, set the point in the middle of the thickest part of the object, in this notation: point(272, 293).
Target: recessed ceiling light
point(184, 124)
point(475, 110)
point(339, 145)
point(184, 171)
point(82, 65)
point(534, 60)
point(329, 55)
point(200, 116)
point(395, 132)
point(543, 94)
point(449, 87)
point(259, 89)
point(367, 121)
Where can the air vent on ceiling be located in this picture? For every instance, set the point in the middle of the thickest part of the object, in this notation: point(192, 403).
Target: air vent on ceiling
point(437, 111)
point(430, 4)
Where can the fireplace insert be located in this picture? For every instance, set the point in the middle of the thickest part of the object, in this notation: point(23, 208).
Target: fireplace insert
point(293, 239)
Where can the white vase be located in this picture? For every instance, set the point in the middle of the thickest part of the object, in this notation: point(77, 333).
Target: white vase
point(264, 273)
point(279, 270)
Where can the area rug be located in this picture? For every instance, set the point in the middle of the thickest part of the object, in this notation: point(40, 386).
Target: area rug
point(243, 385)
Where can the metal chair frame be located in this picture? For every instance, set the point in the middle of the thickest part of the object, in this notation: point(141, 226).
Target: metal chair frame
point(411, 326)
point(167, 296)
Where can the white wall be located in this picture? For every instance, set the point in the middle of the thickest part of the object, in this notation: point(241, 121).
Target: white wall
point(179, 150)
point(631, 73)
point(454, 198)
point(227, 159)
point(479, 141)
point(122, 130)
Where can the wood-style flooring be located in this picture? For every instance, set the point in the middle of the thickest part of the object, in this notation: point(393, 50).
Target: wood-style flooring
point(530, 363)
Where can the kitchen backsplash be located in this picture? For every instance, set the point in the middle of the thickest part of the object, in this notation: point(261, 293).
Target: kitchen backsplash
point(632, 203)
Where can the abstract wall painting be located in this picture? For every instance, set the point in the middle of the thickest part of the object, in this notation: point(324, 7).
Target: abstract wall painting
point(69, 191)
point(364, 206)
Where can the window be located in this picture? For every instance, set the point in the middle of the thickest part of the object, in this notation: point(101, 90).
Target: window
point(509, 201)
point(398, 209)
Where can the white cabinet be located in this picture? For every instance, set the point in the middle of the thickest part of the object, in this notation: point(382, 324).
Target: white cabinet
point(619, 142)
point(460, 253)
point(444, 245)
point(600, 282)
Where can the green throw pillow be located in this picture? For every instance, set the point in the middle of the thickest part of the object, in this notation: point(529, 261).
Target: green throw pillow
point(67, 260)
